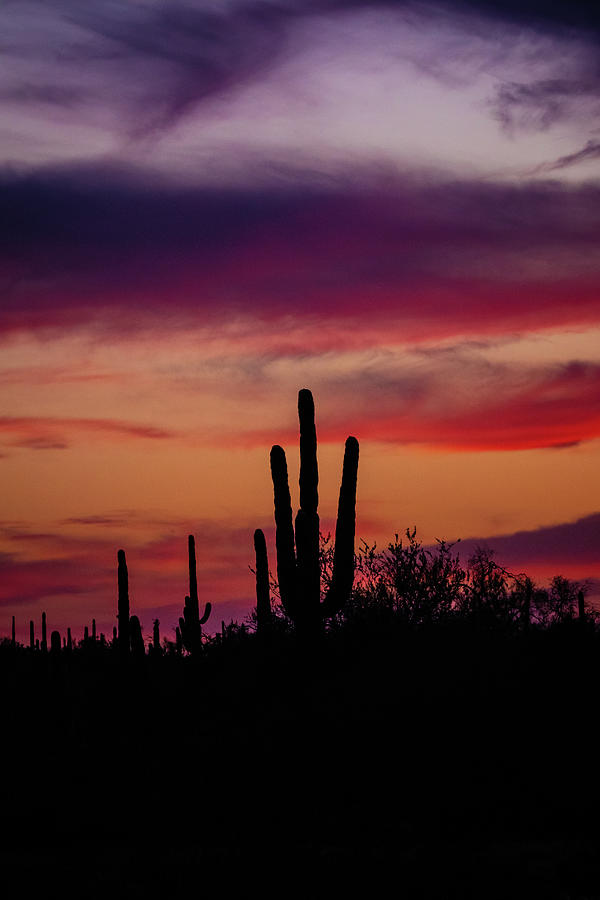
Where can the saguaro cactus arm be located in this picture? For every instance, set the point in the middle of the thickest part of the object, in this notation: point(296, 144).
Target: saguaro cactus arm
point(263, 598)
point(284, 532)
point(343, 555)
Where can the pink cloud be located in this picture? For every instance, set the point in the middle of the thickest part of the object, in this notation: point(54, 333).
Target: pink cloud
point(459, 406)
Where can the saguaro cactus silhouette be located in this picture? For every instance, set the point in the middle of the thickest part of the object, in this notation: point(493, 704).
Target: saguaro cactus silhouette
point(298, 570)
point(190, 624)
point(123, 608)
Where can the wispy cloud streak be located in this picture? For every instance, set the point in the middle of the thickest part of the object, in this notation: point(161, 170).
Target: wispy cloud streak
point(589, 152)
point(54, 433)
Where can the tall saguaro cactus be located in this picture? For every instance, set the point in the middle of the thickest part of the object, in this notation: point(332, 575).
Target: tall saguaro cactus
point(298, 569)
point(123, 608)
point(190, 624)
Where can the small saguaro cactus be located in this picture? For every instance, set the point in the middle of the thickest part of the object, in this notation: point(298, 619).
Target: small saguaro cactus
point(44, 636)
point(31, 635)
point(263, 597)
point(13, 636)
point(298, 570)
point(190, 624)
point(123, 608)
point(156, 636)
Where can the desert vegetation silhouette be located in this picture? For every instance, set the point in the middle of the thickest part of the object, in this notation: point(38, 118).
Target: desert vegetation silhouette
point(394, 706)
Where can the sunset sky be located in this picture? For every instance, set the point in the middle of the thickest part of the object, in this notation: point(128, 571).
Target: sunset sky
point(207, 206)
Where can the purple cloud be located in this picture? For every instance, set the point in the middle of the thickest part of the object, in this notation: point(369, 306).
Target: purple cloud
point(84, 246)
point(575, 543)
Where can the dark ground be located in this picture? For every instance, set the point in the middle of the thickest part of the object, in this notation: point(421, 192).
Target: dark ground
point(461, 762)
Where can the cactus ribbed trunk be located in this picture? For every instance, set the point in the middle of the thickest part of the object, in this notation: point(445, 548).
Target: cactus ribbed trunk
point(123, 608)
